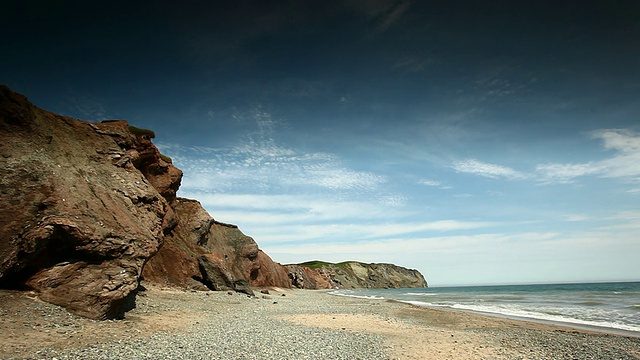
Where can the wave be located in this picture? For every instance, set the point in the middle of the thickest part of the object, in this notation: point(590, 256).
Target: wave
point(591, 303)
point(368, 297)
point(501, 298)
point(421, 294)
point(551, 316)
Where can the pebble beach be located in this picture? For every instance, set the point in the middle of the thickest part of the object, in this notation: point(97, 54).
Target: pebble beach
point(287, 324)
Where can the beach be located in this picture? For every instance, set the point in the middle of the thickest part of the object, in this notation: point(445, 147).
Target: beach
point(287, 324)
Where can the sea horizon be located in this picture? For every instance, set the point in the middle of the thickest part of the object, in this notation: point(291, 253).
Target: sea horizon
point(559, 282)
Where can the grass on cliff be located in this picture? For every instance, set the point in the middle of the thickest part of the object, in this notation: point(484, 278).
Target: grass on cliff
point(142, 132)
point(166, 158)
point(316, 264)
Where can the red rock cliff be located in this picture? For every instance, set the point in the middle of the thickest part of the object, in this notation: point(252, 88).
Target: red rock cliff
point(78, 219)
point(83, 207)
point(204, 252)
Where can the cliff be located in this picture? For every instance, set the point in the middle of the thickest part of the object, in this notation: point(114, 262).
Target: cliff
point(84, 206)
point(203, 253)
point(353, 274)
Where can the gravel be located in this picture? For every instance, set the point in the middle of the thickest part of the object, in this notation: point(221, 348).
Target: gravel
point(566, 344)
point(248, 328)
point(174, 324)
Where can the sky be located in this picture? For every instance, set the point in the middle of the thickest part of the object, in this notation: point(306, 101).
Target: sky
point(480, 142)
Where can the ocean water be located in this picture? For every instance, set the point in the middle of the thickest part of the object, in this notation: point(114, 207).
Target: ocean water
point(613, 306)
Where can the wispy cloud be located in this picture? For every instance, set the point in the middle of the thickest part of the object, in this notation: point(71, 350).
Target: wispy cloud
point(391, 15)
point(260, 162)
point(493, 171)
point(625, 162)
point(576, 217)
point(418, 246)
point(430, 182)
point(355, 232)
point(266, 165)
point(565, 173)
point(412, 64)
point(334, 177)
point(434, 183)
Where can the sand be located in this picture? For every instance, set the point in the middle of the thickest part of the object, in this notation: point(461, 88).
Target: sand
point(302, 324)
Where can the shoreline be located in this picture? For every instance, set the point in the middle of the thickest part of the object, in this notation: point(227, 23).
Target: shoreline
point(564, 324)
point(288, 324)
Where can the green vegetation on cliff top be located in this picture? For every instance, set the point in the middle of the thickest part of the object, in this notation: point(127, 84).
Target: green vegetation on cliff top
point(142, 132)
point(315, 264)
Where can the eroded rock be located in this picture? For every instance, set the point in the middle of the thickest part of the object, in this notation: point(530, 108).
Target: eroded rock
point(77, 223)
point(202, 251)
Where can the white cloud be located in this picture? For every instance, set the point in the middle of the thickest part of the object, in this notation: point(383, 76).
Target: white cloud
point(492, 171)
point(358, 232)
point(260, 163)
point(430, 182)
point(393, 200)
point(295, 209)
point(435, 183)
point(418, 246)
point(625, 141)
point(626, 215)
point(412, 64)
point(625, 163)
point(565, 173)
point(304, 218)
point(330, 176)
point(575, 217)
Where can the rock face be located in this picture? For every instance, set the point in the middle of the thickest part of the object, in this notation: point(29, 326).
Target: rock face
point(78, 217)
point(352, 274)
point(204, 252)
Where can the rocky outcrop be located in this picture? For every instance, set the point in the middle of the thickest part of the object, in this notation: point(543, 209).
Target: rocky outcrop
point(204, 252)
point(78, 217)
point(353, 274)
point(303, 277)
point(84, 206)
point(269, 273)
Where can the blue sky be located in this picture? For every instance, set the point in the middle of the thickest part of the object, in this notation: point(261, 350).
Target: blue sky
point(479, 142)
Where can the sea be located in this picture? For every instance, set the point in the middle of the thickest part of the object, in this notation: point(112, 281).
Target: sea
point(610, 307)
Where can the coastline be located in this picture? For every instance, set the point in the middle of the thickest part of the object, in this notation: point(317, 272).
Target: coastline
point(562, 324)
point(302, 324)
